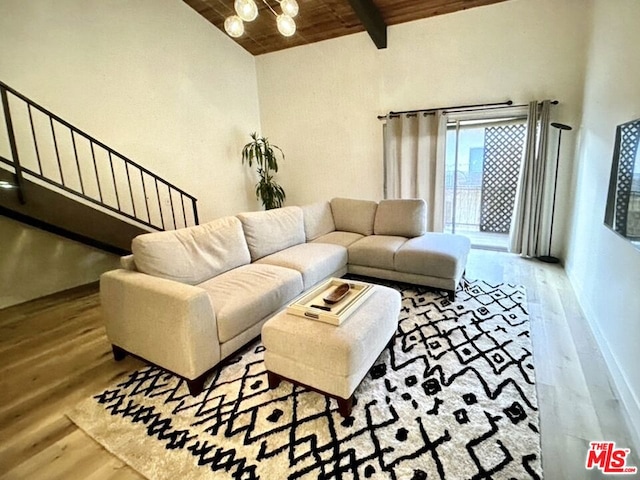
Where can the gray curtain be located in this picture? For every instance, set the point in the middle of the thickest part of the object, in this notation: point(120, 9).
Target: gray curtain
point(526, 222)
point(414, 157)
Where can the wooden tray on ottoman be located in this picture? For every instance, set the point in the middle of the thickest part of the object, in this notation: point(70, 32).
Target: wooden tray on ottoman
point(313, 307)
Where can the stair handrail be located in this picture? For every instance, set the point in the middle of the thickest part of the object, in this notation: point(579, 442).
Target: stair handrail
point(20, 169)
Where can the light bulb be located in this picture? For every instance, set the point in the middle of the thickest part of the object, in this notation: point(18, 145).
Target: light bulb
point(234, 26)
point(286, 25)
point(289, 7)
point(247, 10)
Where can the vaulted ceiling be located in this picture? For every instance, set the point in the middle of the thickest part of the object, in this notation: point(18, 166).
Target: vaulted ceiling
point(324, 19)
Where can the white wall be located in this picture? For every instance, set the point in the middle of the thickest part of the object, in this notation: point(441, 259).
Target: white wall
point(603, 267)
point(319, 102)
point(151, 79)
point(34, 263)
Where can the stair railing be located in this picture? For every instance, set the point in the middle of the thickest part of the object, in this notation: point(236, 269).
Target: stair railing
point(49, 149)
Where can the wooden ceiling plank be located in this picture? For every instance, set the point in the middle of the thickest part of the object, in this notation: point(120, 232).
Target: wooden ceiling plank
point(400, 11)
point(325, 19)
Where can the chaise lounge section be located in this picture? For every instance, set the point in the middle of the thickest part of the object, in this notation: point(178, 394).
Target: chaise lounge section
point(187, 299)
point(389, 240)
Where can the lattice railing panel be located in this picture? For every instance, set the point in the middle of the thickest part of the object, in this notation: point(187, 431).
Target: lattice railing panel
point(502, 157)
point(629, 136)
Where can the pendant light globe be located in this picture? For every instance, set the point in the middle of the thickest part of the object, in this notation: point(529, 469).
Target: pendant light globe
point(289, 7)
point(247, 10)
point(286, 25)
point(233, 26)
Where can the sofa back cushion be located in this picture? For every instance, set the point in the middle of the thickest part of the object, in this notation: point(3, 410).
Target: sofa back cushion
point(355, 216)
point(192, 255)
point(272, 230)
point(403, 218)
point(318, 220)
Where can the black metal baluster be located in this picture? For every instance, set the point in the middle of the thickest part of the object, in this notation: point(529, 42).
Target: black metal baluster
point(144, 192)
point(173, 212)
point(35, 141)
point(133, 204)
point(12, 143)
point(159, 203)
point(55, 144)
point(195, 211)
point(113, 175)
point(184, 212)
point(75, 152)
point(95, 168)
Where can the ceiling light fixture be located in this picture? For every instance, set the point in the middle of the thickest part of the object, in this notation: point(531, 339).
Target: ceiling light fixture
point(286, 25)
point(289, 7)
point(234, 26)
point(247, 11)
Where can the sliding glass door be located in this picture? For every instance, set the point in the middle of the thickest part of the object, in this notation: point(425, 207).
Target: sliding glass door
point(482, 165)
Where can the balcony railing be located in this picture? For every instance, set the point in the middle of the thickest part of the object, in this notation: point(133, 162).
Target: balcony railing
point(468, 209)
point(49, 150)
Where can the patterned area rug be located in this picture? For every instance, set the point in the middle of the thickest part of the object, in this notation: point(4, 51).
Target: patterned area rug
point(454, 398)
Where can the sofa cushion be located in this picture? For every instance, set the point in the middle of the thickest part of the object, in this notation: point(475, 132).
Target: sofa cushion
point(375, 251)
point(318, 220)
point(404, 218)
point(315, 261)
point(435, 254)
point(355, 216)
point(272, 230)
point(192, 255)
point(248, 294)
point(339, 238)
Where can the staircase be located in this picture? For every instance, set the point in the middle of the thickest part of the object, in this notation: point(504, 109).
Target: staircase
point(56, 177)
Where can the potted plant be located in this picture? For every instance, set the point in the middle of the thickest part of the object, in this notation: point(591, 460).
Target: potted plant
point(260, 151)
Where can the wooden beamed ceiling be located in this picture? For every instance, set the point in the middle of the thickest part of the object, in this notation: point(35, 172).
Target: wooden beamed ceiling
point(324, 19)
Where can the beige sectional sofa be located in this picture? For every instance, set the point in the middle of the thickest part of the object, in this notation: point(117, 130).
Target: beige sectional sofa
point(186, 299)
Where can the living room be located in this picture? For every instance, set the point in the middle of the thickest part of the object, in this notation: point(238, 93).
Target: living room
point(157, 82)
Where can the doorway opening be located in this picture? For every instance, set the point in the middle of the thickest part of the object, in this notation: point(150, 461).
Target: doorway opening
point(482, 166)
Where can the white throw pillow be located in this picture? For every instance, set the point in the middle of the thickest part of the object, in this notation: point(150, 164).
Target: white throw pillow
point(272, 230)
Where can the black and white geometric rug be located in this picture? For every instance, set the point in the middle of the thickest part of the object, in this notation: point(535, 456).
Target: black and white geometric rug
point(453, 399)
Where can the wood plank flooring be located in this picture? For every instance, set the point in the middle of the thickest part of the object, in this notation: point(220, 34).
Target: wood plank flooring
point(54, 353)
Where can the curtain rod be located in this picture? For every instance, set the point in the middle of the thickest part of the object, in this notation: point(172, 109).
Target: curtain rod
point(460, 108)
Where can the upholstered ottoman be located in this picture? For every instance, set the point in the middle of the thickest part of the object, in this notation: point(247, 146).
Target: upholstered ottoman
point(330, 359)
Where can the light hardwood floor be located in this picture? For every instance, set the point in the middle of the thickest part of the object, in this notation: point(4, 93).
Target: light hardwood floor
point(54, 353)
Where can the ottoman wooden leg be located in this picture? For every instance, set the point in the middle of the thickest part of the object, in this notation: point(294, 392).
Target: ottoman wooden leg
point(344, 406)
point(274, 379)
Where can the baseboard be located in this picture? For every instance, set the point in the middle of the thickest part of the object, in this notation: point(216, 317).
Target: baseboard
point(628, 398)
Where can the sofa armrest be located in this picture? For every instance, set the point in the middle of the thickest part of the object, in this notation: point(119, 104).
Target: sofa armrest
point(168, 323)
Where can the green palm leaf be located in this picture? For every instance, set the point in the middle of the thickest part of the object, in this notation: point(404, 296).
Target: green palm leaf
point(260, 151)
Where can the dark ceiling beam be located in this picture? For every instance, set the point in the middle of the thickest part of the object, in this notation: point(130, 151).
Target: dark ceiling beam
point(372, 20)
